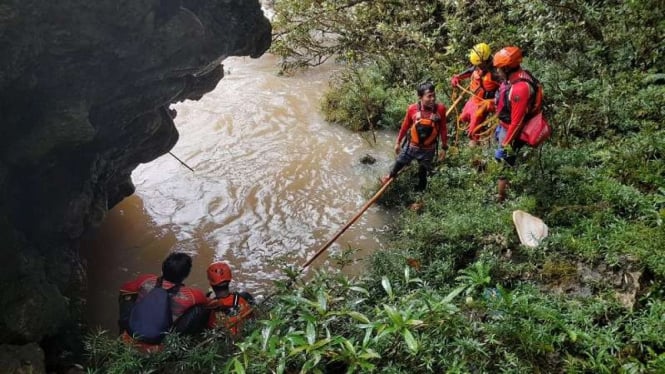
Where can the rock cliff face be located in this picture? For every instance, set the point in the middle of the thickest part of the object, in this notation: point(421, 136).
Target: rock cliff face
point(85, 88)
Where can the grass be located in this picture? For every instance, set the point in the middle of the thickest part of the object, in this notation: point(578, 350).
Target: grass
point(458, 293)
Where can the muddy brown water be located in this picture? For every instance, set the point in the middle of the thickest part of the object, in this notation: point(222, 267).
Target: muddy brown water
point(272, 183)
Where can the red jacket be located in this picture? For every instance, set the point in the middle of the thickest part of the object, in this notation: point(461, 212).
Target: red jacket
point(180, 302)
point(412, 116)
point(230, 311)
point(483, 85)
point(516, 104)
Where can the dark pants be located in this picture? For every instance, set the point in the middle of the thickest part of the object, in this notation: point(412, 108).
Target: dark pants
point(501, 154)
point(425, 158)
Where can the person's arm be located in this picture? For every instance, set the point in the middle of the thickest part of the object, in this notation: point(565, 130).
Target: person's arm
point(406, 124)
point(133, 287)
point(245, 308)
point(212, 319)
point(519, 101)
point(197, 296)
point(455, 80)
point(443, 131)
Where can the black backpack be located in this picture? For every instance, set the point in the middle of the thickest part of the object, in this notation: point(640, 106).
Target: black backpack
point(151, 317)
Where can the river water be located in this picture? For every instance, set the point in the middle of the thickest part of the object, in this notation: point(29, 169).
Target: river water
point(272, 182)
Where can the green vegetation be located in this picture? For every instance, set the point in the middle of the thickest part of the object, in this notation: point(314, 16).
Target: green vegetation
point(457, 292)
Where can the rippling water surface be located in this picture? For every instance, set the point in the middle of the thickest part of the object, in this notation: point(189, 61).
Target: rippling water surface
point(272, 183)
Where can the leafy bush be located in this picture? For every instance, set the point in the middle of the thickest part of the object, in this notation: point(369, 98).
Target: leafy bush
point(363, 100)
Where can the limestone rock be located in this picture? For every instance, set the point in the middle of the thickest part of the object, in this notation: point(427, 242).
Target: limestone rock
point(22, 359)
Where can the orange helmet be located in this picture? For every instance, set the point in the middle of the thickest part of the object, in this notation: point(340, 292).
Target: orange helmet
point(508, 57)
point(219, 272)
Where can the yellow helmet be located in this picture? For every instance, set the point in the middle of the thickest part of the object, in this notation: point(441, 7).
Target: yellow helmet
point(479, 53)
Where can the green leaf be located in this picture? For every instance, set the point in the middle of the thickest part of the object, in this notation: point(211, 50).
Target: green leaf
point(349, 347)
point(358, 317)
point(394, 315)
point(297, 350)
point(265, 335)
point(296, 339)
point(359, 289)
point(320, 343)
point(367, 337)
point(323, 301)
point(369, 353)
point(386, 286)
point(454, 294)
point(414, 322)
point(237, 367)
point(572, 335)
point(384, 331)
point(366, 366)
point(411, 342)
point(310, 333)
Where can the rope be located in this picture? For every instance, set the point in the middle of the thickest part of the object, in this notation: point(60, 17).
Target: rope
point(181, 161)
point(491, 121)
point(337, 235)
point(349, 223)
point(465, 90)
point(454, 106)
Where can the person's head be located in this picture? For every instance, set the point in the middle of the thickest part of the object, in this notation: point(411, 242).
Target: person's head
point(479, 54)
point(426, 94)
point(176, 267)
point(219, 273)
point(219, 276)
point(507, 60)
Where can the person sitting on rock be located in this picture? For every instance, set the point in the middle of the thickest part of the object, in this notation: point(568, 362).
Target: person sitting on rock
point(229, 310)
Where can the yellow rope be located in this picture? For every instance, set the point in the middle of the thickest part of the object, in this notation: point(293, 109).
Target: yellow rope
point(491, 120)
point(457, 124)
point(466, 90)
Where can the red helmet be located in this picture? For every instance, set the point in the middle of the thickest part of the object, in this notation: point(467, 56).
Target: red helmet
point(219, 272)
point(508, 57)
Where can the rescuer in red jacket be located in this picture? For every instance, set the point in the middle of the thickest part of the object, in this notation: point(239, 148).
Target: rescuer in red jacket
point(175, 268)
point(484, 83)
point(423, 127)
point(228, 309)
point(517, 98)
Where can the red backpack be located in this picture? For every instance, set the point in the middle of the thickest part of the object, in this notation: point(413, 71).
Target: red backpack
point(535, 129)
point(536, 99)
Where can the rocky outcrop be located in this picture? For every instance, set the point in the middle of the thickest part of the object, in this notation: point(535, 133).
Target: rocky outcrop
point(85, 89)
point(26, 359)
